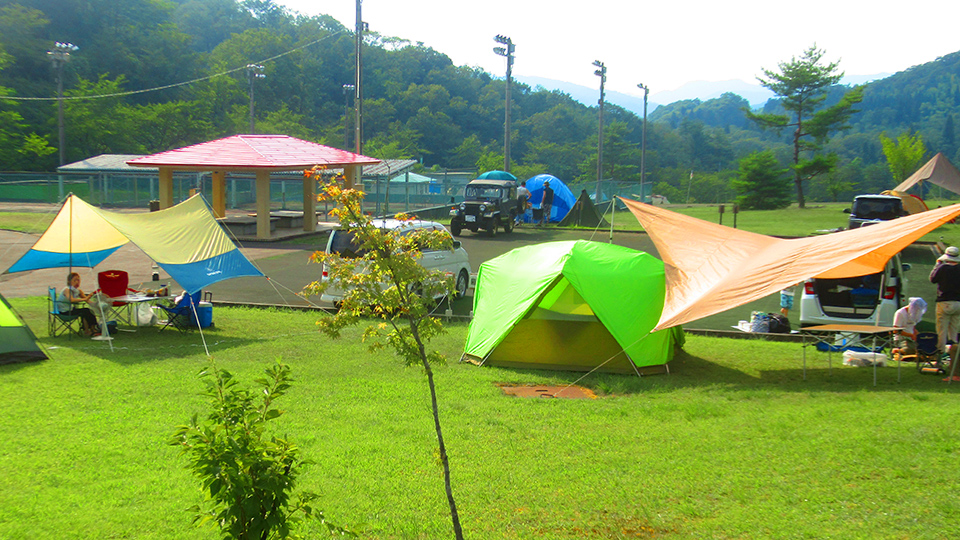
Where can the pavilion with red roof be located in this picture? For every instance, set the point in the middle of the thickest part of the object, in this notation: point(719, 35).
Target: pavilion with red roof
point(260, 154)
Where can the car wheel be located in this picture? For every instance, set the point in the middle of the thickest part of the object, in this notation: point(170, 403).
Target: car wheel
point(463, 281)
point(508, 225)
point(494, 225)
point(455, 228)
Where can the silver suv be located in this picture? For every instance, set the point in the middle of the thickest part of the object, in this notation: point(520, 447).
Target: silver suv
point(871, 299)
point(454, 262)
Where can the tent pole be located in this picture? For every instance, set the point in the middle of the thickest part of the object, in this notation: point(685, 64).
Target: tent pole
point(613, 212)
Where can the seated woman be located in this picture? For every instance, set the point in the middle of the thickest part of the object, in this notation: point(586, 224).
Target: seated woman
point(907, 318)
point(70, 295)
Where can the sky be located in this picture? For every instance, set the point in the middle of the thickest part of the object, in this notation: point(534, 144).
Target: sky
point(663, 44)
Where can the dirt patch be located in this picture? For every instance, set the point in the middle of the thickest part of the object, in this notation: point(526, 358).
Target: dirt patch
point(540, 391)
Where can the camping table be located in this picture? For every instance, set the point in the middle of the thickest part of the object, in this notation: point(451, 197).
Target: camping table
point(825, 332)
point(134, 300)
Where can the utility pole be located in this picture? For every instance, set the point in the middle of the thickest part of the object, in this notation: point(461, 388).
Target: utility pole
point(506, 52)
point(254, 71)
point(60, 55)
point(643, 140)
point(602, 73)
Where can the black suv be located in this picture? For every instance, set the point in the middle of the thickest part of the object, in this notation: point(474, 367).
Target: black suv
point(870, 209)
point(488, 205)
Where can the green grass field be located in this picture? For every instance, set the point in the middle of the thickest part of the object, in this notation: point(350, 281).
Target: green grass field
point(732, 444)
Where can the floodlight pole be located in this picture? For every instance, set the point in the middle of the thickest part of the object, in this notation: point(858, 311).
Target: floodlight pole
point(347, 90)
point(506, 52)
point(358, 82)
point(643, 140)
point(254, 71)
point(602, 73)
point(60, 55)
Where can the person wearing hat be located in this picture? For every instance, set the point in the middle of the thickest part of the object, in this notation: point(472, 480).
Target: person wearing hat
point(547, 203)
point(906, 319)
point(946, 275)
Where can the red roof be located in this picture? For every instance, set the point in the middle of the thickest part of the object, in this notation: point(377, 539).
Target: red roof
point(277, 152)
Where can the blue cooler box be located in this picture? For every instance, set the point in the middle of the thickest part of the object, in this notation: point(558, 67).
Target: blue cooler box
point(205, 314)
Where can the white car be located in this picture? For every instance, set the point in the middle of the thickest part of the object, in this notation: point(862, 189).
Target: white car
point(454, 262)
point(871, 299)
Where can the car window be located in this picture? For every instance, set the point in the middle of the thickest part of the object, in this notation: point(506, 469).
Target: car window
point(344, 245)
point(482, 193)
point(877, 209)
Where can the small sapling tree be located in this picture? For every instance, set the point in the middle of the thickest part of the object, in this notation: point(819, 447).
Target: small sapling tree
point(385, 281)
point(248, 479)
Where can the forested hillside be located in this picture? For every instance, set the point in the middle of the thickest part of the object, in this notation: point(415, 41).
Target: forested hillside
point(151, 75)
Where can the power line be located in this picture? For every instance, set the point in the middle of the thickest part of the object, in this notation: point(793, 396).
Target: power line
point(165, 87)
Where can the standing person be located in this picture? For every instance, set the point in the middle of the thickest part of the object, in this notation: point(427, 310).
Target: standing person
point(906, 318)
point(786, 299)
point(946, 274)
point(523, 195)
point(547, 203)
point(70, 295)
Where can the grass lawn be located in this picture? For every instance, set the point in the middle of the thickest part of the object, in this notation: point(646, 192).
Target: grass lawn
point(732, 444)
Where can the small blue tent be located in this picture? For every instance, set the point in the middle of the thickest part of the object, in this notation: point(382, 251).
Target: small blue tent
point(563, 198)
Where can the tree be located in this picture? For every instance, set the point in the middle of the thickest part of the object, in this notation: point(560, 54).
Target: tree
point(249, 480)
point(905, 155)
point(387, 282)
point(802, 85)
point(762, 184)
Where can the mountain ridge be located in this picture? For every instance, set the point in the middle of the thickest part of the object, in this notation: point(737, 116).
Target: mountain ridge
point(702, 90)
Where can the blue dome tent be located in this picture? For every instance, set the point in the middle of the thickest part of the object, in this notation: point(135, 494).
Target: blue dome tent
point(563, 198)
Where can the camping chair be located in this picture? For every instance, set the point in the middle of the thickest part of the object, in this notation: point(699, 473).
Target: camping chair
point(59, 323)
point(929, 356)
point(114, 283)
point(181, 315)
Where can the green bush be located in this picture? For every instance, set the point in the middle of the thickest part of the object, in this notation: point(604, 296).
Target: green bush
point(248, 480)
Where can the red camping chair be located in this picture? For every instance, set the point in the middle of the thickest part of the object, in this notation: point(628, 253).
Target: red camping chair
point(114, 283)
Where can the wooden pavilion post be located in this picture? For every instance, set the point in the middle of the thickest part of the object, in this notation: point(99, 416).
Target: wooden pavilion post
point(219, 194)
point(165, 189)
point(263, 204)
point(309, 204)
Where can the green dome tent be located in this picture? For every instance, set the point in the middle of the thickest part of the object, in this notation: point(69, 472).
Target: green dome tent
point(17, 342)
point(574, 306)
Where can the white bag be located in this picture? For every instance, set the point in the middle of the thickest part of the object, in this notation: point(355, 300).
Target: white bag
point(145, 315)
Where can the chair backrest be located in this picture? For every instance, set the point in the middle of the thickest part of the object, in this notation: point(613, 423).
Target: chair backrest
point(927, 342)
point(54, 308)
point(113, 283)
point(190, 299)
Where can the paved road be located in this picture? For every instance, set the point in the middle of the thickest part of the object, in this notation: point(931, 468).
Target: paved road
point(289, 270)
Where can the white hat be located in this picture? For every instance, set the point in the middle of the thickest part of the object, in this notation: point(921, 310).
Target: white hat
point(951, 254)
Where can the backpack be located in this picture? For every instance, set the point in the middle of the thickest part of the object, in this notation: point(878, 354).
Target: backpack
point(779, 324)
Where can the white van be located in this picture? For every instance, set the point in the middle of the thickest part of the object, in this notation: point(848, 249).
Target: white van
point(871, 299)
point(454, 262)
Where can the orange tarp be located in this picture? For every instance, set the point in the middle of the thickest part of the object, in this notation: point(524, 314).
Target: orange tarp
point(711, 268)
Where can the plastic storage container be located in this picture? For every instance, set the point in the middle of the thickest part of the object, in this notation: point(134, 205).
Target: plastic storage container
point(205, 314)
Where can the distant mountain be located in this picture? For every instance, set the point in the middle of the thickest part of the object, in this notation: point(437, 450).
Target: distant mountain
point(702, 90)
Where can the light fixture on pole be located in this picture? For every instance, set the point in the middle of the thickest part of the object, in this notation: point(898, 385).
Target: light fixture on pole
point(60, 55)
point(643, 140)
point(602, 73)
point(254, 71)
point(347, 91)
point(506, 52)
